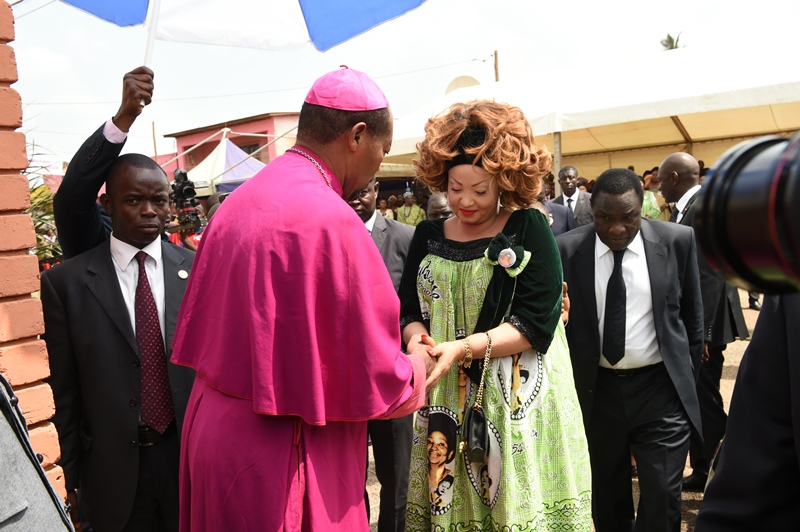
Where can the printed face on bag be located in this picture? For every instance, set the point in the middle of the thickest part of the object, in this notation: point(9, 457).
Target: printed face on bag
point(437, 448)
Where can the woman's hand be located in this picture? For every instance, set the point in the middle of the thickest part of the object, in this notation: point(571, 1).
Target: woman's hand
point(447, 354)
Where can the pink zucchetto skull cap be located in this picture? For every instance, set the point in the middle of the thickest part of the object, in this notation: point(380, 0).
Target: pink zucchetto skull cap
point(347, 90)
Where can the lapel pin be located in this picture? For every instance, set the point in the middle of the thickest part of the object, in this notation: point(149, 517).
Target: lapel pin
point(183, 274)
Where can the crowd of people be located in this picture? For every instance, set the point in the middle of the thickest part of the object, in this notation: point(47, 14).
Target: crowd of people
point(507, 352)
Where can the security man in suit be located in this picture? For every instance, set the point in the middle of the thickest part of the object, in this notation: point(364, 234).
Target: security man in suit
point(391, 438)
point(578, 201)
point(723, 319)
point(110, 315)
point(635, 335)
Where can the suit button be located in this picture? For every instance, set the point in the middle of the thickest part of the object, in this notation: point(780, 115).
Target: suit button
point(134, 403)
point(134, 444)
point(135, 363)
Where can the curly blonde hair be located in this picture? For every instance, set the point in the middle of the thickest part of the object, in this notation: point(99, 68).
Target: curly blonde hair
point(503, 146)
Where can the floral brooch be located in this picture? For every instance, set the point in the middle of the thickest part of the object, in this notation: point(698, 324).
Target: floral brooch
point(513, 259)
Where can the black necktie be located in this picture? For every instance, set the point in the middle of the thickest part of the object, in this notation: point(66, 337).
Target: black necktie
point(614, 327)
point(673, 216)
point(569, 204)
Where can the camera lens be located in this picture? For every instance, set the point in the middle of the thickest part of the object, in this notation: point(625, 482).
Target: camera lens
point(748, 222)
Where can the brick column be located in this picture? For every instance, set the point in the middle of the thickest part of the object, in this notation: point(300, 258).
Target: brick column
point(23, 356)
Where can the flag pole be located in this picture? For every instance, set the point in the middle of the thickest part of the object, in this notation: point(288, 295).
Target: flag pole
point(151, 32)
point(151, 37)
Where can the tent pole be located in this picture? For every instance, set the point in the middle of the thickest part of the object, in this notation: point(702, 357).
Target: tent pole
point(190, 150)
point(267, 145)
point(557, 159)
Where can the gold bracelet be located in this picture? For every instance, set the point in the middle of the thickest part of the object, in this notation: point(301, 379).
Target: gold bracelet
point(466, 362)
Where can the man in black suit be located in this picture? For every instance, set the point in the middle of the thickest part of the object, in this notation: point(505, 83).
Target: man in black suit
point(562, 217)
point(108, 328)
point(756, 485)
point(635, 335)
point(81, 222)
point(578, 201)
point(391, 438)
point(723, 320)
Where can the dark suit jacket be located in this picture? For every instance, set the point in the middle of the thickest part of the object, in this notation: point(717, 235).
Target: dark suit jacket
point(393, 239)
point(563, 220)
point(677, 308)
point(723, 320)
point(583, 209)
point(82, 224)
point(757, 481)
point(711, 284)
point(95, 372)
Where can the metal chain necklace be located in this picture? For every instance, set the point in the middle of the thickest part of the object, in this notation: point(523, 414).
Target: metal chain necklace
point(316, 163)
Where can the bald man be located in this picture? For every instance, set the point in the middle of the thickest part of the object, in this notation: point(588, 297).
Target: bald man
point(723, 320)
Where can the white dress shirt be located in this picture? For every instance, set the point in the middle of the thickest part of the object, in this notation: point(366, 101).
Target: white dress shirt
point(574, 199)
point(689, 194)
point(123, 256)
point(641, 344)
point(113, 134)
point(371, 222)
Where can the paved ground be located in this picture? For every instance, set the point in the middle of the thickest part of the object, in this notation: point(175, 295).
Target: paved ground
point(691, 501)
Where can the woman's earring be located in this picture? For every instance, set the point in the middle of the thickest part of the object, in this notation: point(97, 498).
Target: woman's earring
point(499, 205)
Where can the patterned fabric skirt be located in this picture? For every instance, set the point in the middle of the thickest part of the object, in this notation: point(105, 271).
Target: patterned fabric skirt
point(537, 475)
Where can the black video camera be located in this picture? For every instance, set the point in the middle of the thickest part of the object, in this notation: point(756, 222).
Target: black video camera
point(748, 222)
point(184, 197)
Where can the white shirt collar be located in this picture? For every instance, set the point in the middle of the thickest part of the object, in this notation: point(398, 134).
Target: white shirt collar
point(371, 222)
point(636, 246)
point(689, 194)
point(124, 253)
point(574, 196)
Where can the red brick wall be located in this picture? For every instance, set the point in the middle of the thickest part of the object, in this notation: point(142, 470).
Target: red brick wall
point(23, 357)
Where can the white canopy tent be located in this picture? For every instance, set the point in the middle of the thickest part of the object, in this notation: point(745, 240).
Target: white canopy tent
point(639, 110)
point(226, 164)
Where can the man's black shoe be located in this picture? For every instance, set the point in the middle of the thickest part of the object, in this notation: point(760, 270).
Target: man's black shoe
point(694, 483)
point(755, 305)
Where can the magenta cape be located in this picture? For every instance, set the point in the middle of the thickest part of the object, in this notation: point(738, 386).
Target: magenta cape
point(289, 303)
point(291, 321)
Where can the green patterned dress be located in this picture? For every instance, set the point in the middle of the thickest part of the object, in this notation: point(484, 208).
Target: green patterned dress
point(537, 476)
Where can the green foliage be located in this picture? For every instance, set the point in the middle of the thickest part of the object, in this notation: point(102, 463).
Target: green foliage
point(41, 210)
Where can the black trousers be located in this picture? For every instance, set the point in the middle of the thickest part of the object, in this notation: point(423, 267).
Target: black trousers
point(712, 412)
point(641, 413)
point(155, 508)
point(391, 447)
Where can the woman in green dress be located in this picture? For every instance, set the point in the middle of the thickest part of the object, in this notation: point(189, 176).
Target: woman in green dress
point(492, 273)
